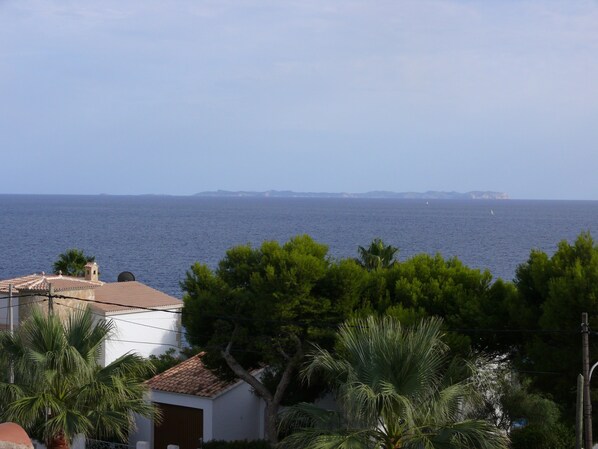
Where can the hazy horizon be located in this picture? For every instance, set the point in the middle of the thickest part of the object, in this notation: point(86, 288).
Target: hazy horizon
point(510, 197)
point(175, 98)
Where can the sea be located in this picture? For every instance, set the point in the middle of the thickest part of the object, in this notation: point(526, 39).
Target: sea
point(158, 238)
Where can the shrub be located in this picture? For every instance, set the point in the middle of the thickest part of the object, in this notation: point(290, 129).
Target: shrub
point(536, 437)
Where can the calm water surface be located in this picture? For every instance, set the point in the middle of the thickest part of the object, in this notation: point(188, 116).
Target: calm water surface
point(158, 238)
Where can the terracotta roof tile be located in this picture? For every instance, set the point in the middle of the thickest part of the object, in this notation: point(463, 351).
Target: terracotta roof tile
point(190, 377)
point(14, 436)
point(40, 282)
point(131, 294)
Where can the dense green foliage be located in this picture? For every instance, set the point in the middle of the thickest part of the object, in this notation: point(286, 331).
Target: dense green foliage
point(424, 286)
point(259, 300)
point(395, 389)
point(260, 285)
point(508, 400)
point(60, 390)
point(539, 437)
point(554, 291)
point(166, 360)
point(72, 263)
point(377, 256)
point(261, 307)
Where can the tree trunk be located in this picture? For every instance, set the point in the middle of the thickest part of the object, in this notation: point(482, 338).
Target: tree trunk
point(270, 423)
point(58, 442)
point(272, 400)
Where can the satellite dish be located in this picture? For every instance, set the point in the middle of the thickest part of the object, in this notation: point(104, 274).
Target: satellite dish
point(126, 276)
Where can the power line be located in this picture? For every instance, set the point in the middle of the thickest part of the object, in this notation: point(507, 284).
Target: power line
point(184, 333)
point(17, 305)
point(96, 301)
point(314, 323)
point(28, 295)
point(226, 317)
point(513, 331)
point(143, 342)
point(128, 321)
point(17, 294)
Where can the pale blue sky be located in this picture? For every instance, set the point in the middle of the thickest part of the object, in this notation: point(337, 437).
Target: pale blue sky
point(177, 97)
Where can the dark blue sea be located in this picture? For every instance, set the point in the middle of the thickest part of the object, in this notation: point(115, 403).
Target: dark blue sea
point(159, 237)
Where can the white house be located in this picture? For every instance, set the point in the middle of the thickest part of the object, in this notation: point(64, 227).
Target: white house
point(146, 332)
point(196, 405)
point(146, 321)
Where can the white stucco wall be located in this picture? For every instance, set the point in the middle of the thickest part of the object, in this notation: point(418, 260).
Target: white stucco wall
point(145, 427)
point(4, 310)
point(143, 431)
point(238, 415)
point(145, 333)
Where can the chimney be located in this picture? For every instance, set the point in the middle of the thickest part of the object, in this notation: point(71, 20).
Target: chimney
point(91, 271)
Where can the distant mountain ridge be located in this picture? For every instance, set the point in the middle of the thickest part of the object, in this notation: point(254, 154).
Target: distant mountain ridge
point(430, 195)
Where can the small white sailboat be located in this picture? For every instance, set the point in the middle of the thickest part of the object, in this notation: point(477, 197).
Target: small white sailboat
point(491, 212)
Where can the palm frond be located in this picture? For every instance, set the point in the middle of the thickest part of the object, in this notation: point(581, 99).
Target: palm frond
point(469, 434)
point(393, 389)
point(61, 390)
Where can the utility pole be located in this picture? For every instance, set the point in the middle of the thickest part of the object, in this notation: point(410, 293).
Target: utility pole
point(11, 374)
point(50, 300)
point(587, 405)
point(579, 414)
point(10, 323)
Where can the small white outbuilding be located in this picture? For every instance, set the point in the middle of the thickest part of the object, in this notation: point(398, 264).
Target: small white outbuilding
point(198, 406)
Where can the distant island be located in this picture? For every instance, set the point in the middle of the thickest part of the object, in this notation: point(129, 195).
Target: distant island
point(430, 195)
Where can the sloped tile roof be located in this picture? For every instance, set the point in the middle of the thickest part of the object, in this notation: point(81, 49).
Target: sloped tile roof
point(190, 377)
point(14, 436)
point(124, 296)
point(40, 282)
point(131, 295)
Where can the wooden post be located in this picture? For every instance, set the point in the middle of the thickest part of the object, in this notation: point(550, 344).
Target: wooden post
point(579, 414)
point(587, 404)
point(10, 323)
point(50, 300)
point(11, 370)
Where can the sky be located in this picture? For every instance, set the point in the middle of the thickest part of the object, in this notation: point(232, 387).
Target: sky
point(179, 97)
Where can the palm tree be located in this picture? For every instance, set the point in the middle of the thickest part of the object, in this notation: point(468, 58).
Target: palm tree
point(60, 390)
point(72, 262)
point(394, 390)
point(377, 255)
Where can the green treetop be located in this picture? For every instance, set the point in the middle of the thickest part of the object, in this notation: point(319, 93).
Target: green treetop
point(72, 262)
point(377, 256)
point(554, 291)
point(261, 306)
